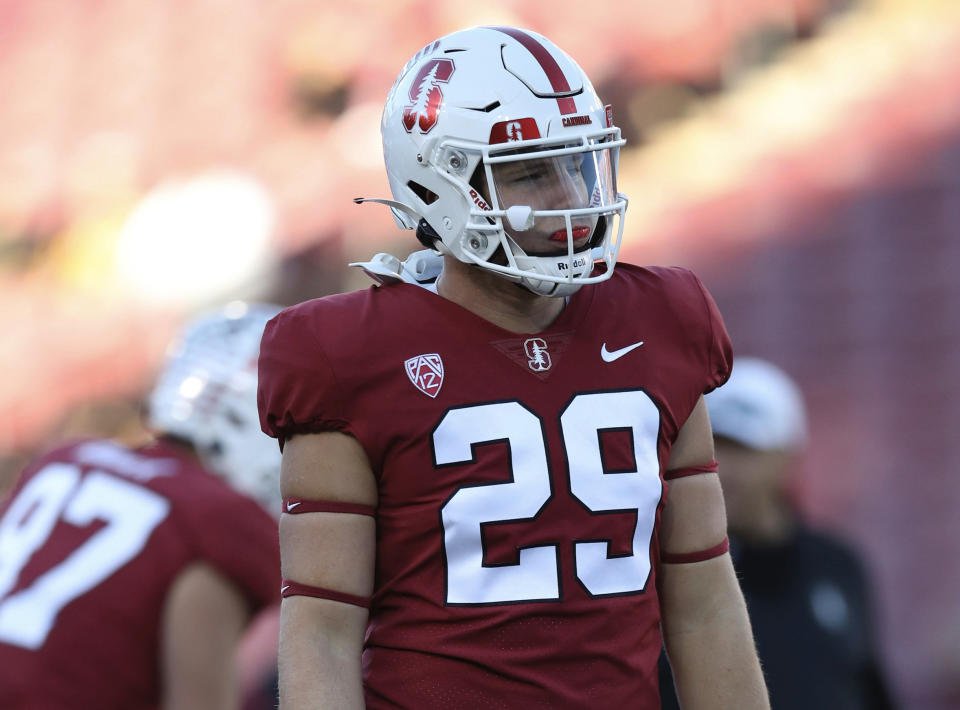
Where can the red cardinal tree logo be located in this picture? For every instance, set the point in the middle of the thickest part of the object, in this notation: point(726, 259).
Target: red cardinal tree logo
point(426, 96)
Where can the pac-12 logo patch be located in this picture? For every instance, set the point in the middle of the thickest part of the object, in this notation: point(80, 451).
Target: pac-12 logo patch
point(426, 96)
point(426, 373)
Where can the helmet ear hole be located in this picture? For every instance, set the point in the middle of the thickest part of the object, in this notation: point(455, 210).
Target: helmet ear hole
point(427, 197)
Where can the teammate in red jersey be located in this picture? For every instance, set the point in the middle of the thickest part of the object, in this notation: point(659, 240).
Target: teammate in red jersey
point(478, 451)
point(128, 576)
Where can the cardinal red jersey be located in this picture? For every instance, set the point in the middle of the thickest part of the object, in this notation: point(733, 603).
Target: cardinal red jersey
point(90, 541)
point(520, 480)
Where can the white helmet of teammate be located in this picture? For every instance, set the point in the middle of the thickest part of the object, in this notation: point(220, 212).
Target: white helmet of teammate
point(207, 395)
point(493, 135)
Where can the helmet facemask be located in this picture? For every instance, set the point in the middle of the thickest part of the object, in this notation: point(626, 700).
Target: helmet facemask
point(552, 212)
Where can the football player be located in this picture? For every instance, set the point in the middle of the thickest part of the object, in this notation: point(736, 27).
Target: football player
point(498, 467)
point(127, 576)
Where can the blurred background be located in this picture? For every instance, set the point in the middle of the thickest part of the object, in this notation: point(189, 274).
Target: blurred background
point(802, 156)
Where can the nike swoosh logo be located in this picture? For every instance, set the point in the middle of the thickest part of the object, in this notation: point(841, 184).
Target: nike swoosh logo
point(283, 589)
point(291, 506)
point(610, 356)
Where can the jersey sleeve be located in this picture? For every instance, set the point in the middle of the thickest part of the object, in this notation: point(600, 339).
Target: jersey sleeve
point(234, 535)
point(694, 321)
point(297, 392)
point(718, 347)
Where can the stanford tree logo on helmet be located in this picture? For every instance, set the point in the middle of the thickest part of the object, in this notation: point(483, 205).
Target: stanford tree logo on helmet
point(426, 95)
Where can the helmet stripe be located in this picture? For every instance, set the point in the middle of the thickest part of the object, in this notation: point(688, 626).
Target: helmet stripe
point(549, 65)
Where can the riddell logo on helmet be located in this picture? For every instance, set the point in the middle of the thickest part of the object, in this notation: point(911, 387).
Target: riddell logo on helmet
point(577, 263)
point(479, 200)
point(426, 96)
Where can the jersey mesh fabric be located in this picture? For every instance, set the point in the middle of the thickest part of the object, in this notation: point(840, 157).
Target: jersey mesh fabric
point(351, 362)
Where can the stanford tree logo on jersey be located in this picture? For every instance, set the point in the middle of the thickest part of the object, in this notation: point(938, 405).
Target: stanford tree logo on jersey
point(538, 357)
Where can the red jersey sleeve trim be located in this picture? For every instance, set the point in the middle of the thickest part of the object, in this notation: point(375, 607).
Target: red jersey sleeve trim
point(295, 506)
point(289, 588)
point(711, 467)
point(688, 557)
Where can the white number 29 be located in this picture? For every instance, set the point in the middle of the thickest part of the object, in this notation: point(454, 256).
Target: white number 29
point(536, 575)
point(57, 493)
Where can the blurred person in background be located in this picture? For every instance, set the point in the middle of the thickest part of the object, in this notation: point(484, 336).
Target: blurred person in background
point(475, 450)
point(807, 592)
point(128, 575)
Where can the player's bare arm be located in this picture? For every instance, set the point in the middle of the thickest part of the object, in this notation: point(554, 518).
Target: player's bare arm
point(204, 618)
point(705, 624)
point(321, 639)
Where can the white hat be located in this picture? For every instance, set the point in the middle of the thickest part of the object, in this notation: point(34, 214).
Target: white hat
point(759, 406)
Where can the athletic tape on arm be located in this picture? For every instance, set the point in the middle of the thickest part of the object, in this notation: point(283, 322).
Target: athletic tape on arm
point(720, 548)
point(295, 506)
point(682, 558)
point(675, 473)
point(289, 588)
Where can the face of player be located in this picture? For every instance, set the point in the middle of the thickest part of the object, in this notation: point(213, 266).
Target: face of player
point(553, 183)
point(754, 489)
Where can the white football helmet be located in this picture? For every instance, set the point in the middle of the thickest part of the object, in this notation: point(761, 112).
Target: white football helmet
point(499, 152)
point(207, 395)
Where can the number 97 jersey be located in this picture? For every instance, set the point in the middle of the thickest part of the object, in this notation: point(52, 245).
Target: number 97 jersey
point(520, 479)
point(91, 540)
